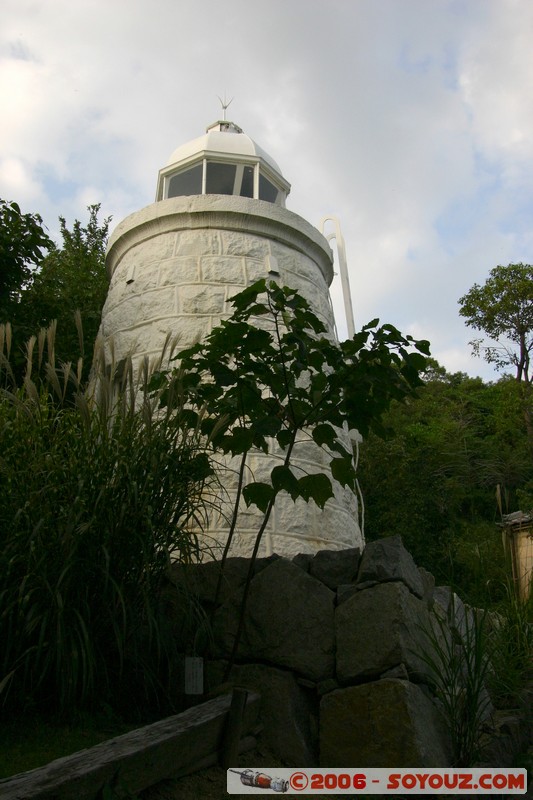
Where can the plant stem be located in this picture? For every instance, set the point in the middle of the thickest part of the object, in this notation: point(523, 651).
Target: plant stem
point(251, 566)
point(232, 528)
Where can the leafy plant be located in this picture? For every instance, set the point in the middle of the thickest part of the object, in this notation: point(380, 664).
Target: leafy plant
point(98, 491)
point(462, 438)
point(511, 643)
point(268, 379)
point(22, 245)
point(71, 280)
point(457, 654)
point(503, 309)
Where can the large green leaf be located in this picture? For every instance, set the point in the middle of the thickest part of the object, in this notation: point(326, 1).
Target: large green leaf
point(343, 471)
point(239, 440)
point(284, 438)
point(245, 299)
point(258, 494)
point(324, 434)
point(316, 487)
point(283, 479)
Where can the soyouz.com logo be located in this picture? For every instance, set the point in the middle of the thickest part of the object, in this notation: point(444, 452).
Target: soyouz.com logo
point(376, 781)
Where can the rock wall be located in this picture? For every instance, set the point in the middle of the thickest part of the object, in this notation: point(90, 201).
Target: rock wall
point(332, 642)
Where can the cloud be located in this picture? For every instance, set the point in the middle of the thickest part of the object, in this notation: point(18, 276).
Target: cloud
point(496, 82)
point(408, 120)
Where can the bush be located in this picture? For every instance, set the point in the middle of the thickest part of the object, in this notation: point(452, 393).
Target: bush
point(511, 639)
point(97, 494)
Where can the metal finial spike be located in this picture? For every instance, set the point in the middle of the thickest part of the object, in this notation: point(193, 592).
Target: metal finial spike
point(225, 103)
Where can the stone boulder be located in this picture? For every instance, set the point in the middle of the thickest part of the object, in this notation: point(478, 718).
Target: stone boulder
point(345, 591)
point(289, 622)
point(428, 582)
point(288, 711)
point(335, 567)
point(387, 723)
point(379, 628)
point(388, 560)
point(460, 617)
point(201, 579)
point(303, 560)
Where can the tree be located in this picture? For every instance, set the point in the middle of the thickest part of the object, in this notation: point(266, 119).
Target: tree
point(503, 309)
point(268, 377)
point(22, 245)
point(71, 279)
point(433, 478)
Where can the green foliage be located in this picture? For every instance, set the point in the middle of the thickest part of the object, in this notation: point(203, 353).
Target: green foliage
point(511, 643)
point(433, 478)
point(503, 309)
point(268, 379)
point(22, 244)
point(525, 496)
point(269, 373)
point(97, 493)
point(478, 658)
point(70, 282)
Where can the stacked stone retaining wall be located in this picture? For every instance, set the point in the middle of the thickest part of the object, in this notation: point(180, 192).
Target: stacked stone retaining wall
point(335, 644)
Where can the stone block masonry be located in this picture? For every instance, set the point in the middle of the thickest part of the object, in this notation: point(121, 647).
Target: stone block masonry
point(174, 267)
point(333, 643)
point(201, 251)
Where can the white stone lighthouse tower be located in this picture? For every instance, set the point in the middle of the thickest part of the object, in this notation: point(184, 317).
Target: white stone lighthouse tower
point(218, 224)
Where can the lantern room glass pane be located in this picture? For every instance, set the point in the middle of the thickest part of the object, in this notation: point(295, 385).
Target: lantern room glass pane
point(185, 183)
point(267, 190)
point(220, 178)
point(247, 185)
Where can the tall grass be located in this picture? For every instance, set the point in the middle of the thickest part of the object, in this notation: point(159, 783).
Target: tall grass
point(511, 643)
point(458, 659)
point(478, 659)
point(98, 492)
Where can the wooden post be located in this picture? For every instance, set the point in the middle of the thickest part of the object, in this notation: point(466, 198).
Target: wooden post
point(233, 728)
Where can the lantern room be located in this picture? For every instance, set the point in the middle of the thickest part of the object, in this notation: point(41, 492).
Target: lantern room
point(223, 161)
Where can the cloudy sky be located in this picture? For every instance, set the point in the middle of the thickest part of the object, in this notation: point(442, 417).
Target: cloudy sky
point(410, 120)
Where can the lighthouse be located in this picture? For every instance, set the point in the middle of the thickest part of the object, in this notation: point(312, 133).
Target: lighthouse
point(218, 224)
